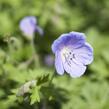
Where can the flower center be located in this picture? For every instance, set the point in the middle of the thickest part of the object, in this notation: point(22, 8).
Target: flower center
point(67, 55)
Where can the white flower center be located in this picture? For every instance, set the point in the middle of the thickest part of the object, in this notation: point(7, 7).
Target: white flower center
point(67, 55)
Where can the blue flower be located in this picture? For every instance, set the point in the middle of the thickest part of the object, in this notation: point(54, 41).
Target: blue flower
point(28, 26)
point(49, 60)
point(72, 54)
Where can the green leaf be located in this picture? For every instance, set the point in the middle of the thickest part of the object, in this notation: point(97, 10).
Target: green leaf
point(35, 97)
point(42, 79)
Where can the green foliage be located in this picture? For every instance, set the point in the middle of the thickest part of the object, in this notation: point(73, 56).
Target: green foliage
point(24, 79)
point(35, 97)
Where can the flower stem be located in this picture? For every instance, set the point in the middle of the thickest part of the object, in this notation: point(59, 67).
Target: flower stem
point(33, 46)
point(52, 76)
point(34, 52)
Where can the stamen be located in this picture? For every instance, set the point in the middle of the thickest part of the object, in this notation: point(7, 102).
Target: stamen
point(67, 56)
point(73, 55)
point(70, 58)
point(70, 52)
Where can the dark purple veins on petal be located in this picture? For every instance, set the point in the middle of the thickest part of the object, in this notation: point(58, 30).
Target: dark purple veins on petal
point(69, 58)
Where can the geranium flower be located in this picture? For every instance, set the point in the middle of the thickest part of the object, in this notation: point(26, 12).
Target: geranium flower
point(49, 60)
point(72, 54)
point(28, 26)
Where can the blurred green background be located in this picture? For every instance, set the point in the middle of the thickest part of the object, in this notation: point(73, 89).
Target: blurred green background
point(55, 17)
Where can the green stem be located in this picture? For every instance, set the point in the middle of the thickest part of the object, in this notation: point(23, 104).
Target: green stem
point(34, 52)
point(33, 46)
point(51, 79)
